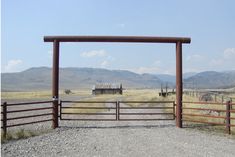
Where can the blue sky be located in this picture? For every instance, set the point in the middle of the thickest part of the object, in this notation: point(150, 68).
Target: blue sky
point(210, 24)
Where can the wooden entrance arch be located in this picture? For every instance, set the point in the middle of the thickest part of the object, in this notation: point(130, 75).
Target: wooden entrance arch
point(137, 39)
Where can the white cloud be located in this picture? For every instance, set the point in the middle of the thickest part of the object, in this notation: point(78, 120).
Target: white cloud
point(12, 65)
point(168, 72)
point(194, 57)
point(229, 53)
point(216, 62)
point(228, 57)
point(104, 63)
point(196, 70)
point(94, 53)
point(142, 70)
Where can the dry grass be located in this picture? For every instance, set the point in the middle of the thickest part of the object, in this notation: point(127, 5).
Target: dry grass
point(25, 95)
point(207, 112)
point(139, 95)
point(95, 98)
point(136, 95)
point(21, 134)
point(39, 94)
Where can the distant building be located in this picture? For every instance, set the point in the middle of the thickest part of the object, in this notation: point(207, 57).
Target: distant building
point(107, 89)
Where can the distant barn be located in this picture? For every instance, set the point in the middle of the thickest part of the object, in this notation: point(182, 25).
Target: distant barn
point(107, 89)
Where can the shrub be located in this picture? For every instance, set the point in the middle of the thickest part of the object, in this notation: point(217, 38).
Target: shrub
point(67, 91)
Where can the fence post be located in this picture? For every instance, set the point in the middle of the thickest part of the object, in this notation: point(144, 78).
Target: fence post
point(228, 107)
point(4, 119)
point(174, 105)
point(116, 110)
point(55, 82)
point(60, 104)
point(55, 111)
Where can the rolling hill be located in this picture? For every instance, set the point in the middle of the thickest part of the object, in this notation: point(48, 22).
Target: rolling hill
point(211, 79)
point(171, 78)
point(76, 78)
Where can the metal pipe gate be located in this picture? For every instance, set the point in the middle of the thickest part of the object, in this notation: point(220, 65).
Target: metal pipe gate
point(116, 111)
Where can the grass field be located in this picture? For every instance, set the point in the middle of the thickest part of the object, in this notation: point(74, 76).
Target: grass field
point(38, 94)
point(25, 95)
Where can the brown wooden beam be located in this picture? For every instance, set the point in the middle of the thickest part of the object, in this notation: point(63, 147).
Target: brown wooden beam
point(140, 39)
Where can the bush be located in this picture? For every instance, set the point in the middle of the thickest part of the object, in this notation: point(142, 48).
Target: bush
point(67, 91)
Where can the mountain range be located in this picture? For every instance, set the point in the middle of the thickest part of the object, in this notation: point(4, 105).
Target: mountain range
point(39, 78)
point(211, 79)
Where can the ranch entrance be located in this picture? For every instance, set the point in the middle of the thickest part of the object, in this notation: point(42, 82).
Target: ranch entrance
point(117, 110)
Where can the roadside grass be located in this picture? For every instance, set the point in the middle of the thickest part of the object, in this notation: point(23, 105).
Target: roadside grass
point(21, 134)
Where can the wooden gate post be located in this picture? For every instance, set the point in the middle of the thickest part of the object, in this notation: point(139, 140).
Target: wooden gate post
point(55, 83)
point(179, 84)
point(228, 108)
point(4, 119)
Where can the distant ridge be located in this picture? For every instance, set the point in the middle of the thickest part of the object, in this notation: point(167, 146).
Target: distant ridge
point(75, 78)
point(172, 78)
point(39, 78)
point(211, 79)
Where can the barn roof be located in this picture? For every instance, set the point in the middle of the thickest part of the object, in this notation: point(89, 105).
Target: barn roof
point(107, 86)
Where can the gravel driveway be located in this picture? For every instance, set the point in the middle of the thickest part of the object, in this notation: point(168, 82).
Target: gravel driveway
point(122, 138)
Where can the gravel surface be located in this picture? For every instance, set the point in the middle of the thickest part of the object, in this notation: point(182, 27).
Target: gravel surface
point(122, 138)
